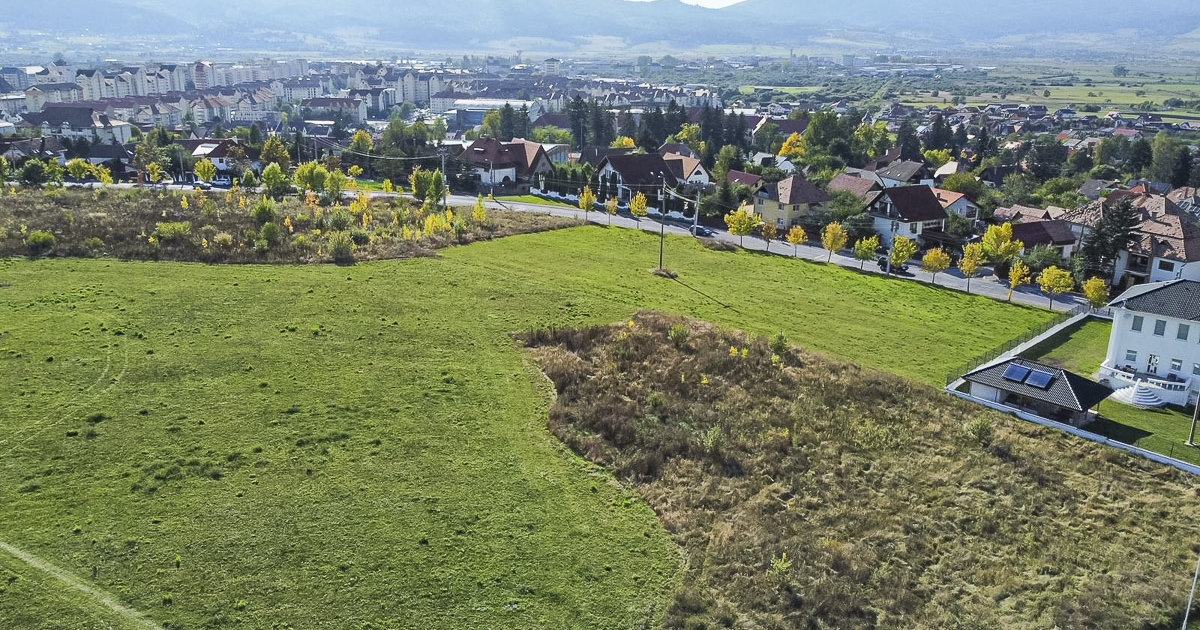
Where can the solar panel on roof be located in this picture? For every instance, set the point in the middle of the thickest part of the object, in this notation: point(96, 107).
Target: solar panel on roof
point(1039, 379)
point(1016, 373)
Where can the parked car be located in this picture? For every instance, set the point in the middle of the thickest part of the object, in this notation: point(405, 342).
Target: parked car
point(883, 266)
point(201, 185)
point(700, 230)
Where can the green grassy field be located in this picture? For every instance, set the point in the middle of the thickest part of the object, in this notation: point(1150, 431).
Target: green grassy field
point(534, 200)
point(332, 447)
point(1082, 350)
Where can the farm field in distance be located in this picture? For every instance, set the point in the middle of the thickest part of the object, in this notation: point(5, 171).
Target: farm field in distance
point(264, 446)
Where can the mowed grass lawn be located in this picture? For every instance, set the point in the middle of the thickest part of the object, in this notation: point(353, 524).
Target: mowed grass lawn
point(1082, 350)
point(531, 199)
point(349, 447)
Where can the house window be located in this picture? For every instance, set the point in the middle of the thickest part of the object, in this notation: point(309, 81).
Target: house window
point(1166, 265)
point(1176, 365)
point(1138, 320)
point(1184, 331)
point(1196, 369)
point(1131, 355)
point(1160, 328)
point(912, 227)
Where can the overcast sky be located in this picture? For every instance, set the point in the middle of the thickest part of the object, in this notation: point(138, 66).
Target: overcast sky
point(714, 4)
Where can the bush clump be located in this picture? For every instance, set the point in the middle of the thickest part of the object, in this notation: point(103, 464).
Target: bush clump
point(40, 242)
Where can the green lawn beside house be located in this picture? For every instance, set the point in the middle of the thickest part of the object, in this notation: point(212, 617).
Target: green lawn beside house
point(1082, 349)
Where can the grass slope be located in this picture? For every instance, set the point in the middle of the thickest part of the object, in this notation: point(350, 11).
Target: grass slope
point(812, 494)
point(333, 447)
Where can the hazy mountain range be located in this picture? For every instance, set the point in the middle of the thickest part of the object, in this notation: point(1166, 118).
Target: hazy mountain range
point(464, 25)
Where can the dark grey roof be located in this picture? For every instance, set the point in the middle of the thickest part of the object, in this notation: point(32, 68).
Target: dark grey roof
point(1179, 299)
point(1068, 390)
point(915, 203)
point(108, 152)
point(901, 171)
point(1043, 233)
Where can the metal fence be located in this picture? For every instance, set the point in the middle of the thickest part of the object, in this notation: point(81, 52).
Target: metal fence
point(991, 355)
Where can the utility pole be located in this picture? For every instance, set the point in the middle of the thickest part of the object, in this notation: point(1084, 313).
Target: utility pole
point(1192, 596)
point(445, 182)
point(1191, 441)
point(662, 223)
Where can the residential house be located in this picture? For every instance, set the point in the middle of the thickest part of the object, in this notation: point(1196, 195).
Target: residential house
point(1018, 213)
point(770, 160)
point(678, 148)
point(1167, 237)
point(80, 122)
point(788, 202)
point(1154, 348)
point(1093, 188)
point(637, 172)
point(353, 108)
point(40, 96)
point(861, 187)
point(908, 211)
point(519, 163)
point(1054, 234)
point(689, 171)
point(956, 203)
point(904, 173)
point(950, 168)
point(1045, 391)
point(749, 180)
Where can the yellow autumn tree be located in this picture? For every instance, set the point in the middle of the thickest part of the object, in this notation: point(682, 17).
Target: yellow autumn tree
point(903, 249)
point(935, 261)
point(622, 142)
point(637, 207)
point(1096, 292)
point(834, 239)
point(1054, 282)
point(998, 244)
point(1018, 276)
point(587, 199)
point(741, 222)
point(797, 237)
point(610, 208)
point(971, 261)
point(793, 147)
point(479, 213)
point(769, 233)
point(865, 249)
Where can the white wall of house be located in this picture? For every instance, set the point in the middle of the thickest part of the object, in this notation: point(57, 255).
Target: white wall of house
point(963, 208)
point(1175, 351)
point(889, 229)
point(984, 392)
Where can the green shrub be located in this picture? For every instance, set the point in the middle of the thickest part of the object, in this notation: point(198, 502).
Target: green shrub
point(360, 237)
point(678, 335)
point(224, 240)
point(94, 244)
point(341, 247)
point(173, 231)
point(981, 430)
point(712, 441)
point(40, 242)
point(779, 344)
point(340, 221)
point(262, 246)
point(269, 233)
point(264, 212)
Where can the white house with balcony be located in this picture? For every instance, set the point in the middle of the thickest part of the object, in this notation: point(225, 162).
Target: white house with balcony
point(1154, 352)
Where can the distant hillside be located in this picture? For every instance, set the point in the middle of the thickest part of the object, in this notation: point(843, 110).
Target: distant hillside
point(471, 24)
